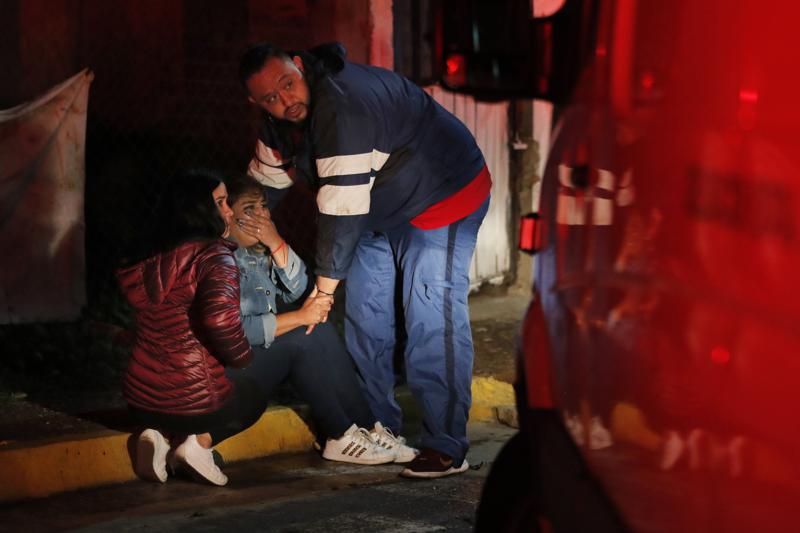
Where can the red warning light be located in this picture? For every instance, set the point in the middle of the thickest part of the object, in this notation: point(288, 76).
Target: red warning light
point(720, 355)
point(454, 63)
point(455, 70)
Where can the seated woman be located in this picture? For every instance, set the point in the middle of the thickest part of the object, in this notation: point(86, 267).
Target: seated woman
point(188, 329)
point(317, 363)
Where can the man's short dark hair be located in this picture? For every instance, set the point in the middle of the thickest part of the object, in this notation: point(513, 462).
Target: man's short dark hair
point(254, 59)
point(240, 185)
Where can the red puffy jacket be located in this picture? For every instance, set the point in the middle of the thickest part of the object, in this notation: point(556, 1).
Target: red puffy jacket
point(187, 328)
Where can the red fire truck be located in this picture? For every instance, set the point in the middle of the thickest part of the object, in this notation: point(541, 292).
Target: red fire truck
point(660, 356)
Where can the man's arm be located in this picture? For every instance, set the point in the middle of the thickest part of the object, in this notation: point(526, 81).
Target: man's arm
point(348, 158)
point(326, 286)
point(269, 167)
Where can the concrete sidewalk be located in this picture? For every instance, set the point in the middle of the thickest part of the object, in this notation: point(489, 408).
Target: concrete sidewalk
point(37, 469)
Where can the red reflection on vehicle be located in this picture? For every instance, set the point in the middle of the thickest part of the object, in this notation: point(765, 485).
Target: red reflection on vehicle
point(720, 355)
point(748, 96)
point(748, 99)
point(647, 81)
point(456, 70)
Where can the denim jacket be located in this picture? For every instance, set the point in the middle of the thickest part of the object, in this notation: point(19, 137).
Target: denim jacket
point(261, 284)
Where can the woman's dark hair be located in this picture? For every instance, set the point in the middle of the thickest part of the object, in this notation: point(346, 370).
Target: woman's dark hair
point(240, 185)
point(187, 209)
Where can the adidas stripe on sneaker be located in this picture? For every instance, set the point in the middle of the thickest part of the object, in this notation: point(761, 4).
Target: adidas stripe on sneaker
point(356, 446)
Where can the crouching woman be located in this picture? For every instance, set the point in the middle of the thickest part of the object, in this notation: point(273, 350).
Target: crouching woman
point(188, 330)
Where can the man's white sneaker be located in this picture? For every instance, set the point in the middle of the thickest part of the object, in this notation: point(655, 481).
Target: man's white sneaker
point(151, 456)
point(393, 444)
point(356, 446)
point(199, 461)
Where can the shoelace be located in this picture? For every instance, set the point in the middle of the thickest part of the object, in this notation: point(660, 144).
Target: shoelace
point(363, 438)
point(393, 440)
point(388, 439)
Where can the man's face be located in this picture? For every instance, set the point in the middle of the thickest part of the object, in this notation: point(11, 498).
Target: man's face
point(280, 89)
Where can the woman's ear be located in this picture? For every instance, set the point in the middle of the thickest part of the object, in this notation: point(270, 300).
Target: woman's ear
point(298, 62)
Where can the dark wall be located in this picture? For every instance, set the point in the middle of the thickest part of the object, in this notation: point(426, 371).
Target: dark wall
point(9, 53)
point(165, 94)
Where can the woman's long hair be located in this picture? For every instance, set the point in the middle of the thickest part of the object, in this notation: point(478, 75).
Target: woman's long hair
point(185, 211)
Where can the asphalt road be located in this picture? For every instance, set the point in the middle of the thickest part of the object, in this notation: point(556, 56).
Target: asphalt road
point(298, 493)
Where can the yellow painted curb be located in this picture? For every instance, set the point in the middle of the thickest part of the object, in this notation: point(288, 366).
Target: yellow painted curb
point(48, 468)
point(42, 470)
point(487, 395)
point(36, 471)
point(277, 431)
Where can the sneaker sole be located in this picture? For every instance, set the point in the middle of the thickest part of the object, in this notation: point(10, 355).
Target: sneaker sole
point(360, 461)
point(407, 458)
point(432, 475)
point(405, 455)
point(146, 452)
point(199, 476)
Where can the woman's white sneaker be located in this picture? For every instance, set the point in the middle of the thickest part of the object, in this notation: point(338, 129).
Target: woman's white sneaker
point(151, 456)
point(393, 444)
point(356, 446)
point(199, 461)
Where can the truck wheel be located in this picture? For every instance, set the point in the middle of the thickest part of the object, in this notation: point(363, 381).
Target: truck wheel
point(508, 502)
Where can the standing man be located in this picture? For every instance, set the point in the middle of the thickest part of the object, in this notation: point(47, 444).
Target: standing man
point(402, 190)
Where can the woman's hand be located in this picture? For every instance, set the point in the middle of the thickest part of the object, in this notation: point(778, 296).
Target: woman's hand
point(262, 228)
point(315, 310)
point(326, 293)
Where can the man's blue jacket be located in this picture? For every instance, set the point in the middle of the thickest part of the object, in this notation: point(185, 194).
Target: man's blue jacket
point(378, 149)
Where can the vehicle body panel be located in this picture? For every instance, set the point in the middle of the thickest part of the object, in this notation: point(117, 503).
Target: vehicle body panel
point(667, 283)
